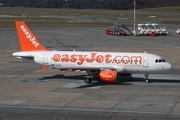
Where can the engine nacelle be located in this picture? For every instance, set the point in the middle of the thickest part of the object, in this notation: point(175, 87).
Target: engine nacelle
point(109, 75)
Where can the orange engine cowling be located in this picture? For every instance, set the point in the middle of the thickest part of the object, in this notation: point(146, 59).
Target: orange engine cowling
point(109, 75)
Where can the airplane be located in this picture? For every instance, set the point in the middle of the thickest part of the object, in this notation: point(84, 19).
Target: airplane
point(106, 66)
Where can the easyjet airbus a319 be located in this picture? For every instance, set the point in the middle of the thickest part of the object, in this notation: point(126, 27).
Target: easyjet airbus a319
point(107, 66)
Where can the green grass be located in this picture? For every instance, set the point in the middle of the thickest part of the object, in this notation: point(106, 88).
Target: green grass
point(171, 22)
point(55, 24)
point(173, 9)
point(33, 16)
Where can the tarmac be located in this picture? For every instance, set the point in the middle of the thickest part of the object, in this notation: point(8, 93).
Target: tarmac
point(28, 92)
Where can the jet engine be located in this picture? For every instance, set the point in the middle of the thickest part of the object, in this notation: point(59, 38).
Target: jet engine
point(109, 75)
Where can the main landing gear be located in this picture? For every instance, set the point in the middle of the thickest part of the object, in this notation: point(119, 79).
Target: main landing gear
point(88, 79)
point(147, 78)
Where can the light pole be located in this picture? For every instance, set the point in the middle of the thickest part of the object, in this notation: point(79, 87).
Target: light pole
point(134, 17)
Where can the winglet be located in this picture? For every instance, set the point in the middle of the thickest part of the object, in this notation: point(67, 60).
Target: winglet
point(27, 39)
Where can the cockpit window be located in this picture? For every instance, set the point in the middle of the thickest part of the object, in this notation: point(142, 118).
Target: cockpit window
point(163, 60)
point(159, 60)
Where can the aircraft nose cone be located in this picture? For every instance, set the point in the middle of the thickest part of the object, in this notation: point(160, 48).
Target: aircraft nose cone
point(169, 66)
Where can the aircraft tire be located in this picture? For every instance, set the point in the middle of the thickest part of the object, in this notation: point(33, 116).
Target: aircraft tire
point(147, 81)
point(88, 80)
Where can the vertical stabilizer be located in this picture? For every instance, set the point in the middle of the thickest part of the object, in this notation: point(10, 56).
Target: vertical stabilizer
point(27, 39)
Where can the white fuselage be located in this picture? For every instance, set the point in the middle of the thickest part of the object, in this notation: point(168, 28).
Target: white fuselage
point(123, 62)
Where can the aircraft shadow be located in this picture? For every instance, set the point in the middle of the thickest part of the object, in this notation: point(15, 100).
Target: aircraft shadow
point(125, 80)
point(132, 79)
point(61, 76)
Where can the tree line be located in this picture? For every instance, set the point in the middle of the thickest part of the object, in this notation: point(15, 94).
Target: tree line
point(90, 4)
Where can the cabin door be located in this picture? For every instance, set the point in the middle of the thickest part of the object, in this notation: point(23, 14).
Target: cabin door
point(146, 61)
point(45, 58)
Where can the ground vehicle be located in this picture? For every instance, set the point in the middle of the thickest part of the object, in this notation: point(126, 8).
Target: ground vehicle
point(151, 29)
point(178, 31)
point(117, 30)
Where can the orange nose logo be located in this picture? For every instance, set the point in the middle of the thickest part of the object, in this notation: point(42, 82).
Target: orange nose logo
point(56, 58)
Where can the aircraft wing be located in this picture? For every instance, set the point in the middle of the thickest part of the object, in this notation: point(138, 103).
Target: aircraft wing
point(118, 69)
point(106, 68)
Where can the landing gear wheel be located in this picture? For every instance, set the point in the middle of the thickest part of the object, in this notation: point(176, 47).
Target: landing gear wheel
point(88, 80)
point(147, 78)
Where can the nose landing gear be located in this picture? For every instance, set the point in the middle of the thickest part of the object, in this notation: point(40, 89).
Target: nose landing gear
point(147, 78)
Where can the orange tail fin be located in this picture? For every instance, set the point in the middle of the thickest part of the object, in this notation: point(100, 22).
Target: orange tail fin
point(27, 39)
